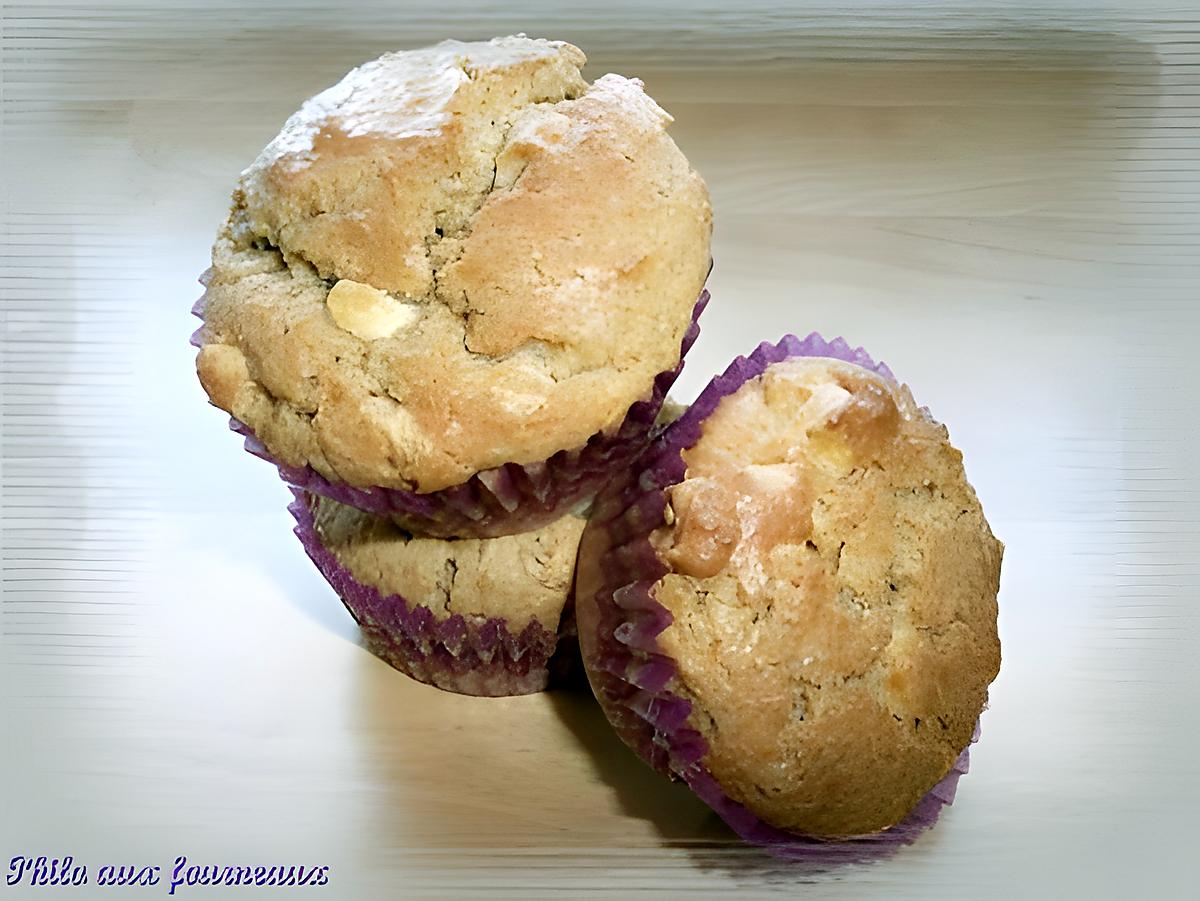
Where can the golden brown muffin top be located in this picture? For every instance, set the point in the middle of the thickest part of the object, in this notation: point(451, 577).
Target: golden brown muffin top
point(834, 597)
point(518, 578)
point(455, 258)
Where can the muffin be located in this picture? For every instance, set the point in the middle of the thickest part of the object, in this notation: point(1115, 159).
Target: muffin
point(479, 616)
point(790, 601)
point(456, 286)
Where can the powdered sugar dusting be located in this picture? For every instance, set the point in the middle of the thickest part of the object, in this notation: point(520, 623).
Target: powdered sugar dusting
point(401, 95)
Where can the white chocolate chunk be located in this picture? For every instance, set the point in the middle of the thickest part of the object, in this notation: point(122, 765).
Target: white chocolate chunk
point(827, 401)
point(367, 312)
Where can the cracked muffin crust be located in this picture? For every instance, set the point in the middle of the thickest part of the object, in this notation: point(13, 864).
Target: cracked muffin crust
point(476, 616)
point(456, 258)
point(833, 592)
point(524, 578)
point(785, 582)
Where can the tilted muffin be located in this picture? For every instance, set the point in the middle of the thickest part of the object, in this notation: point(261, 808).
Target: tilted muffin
point(790, 602)
point(480, 616)
point(457, 285)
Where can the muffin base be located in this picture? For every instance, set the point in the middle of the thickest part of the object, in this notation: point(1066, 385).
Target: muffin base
point(631, 674)
point(454, 653)
point(507, 499)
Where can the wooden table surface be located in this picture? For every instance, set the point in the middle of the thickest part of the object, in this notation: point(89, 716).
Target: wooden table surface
point(1000, 200)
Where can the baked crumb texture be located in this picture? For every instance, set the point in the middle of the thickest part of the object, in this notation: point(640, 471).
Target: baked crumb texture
point(791, 604)
point(455, 259)
point(511, 498)
point(476, 616)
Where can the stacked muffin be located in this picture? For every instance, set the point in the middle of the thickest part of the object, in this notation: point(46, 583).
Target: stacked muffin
point(448, 303)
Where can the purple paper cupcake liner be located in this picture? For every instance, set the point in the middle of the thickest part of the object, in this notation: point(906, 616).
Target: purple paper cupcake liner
point(628, 670)
point(468, 656)
point(507, 499)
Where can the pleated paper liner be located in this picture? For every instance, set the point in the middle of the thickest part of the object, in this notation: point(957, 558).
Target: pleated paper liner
point(468, 655)
point(631, 674)
point(510, 498)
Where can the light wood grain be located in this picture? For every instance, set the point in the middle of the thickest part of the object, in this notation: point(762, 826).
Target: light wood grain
point(1001, 200)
